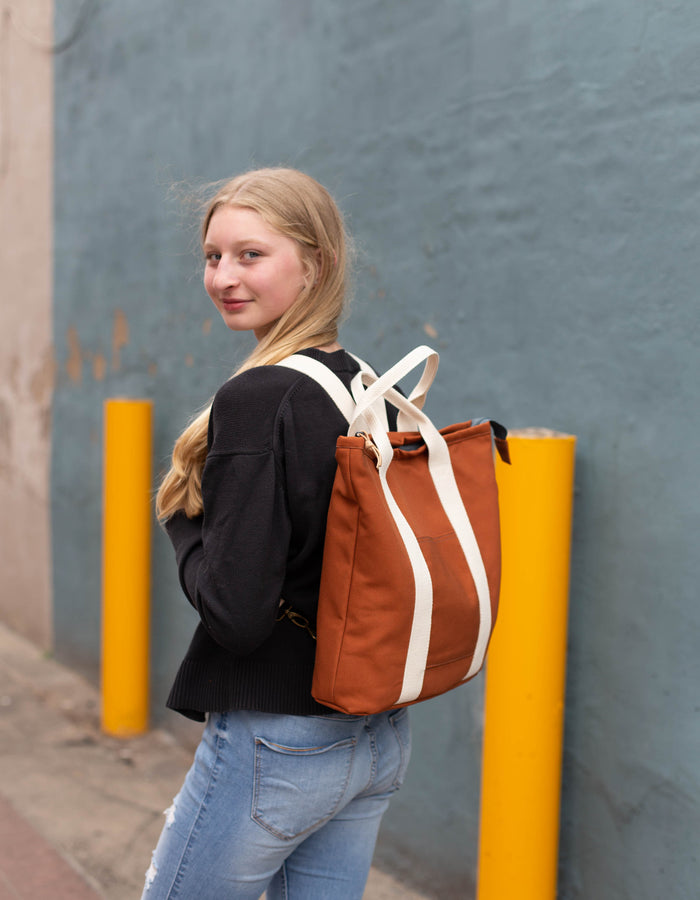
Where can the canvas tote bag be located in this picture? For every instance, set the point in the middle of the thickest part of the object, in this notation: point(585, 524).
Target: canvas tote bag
point(411, 565)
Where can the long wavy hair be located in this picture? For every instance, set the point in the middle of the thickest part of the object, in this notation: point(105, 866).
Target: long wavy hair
point(295, 205)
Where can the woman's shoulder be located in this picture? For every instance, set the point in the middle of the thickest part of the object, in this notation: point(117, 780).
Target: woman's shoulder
point(271, 383)
point(257, 385)
point(246, 407)
point(252, 410)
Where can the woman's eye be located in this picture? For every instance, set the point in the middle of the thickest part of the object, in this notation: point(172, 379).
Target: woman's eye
point(250, 254)
point(212, 257)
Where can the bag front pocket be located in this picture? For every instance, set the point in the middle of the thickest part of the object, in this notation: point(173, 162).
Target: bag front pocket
point(299, 788)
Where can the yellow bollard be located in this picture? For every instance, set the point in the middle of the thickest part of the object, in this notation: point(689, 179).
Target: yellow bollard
point(525, 673)
point(126, 557)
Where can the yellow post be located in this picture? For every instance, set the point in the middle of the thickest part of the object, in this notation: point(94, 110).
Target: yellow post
point(126, 566)
point(525, 673)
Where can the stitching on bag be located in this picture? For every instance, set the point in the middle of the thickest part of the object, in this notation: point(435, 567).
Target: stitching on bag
point(450, 662)
point(437, 539)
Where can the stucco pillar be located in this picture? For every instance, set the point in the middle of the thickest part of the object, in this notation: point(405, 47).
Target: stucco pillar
point(26, 358)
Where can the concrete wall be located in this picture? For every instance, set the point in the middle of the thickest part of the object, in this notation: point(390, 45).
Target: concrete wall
point(26, 354)
point(523, 182)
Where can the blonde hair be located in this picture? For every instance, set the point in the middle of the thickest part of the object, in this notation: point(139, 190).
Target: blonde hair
point(296, 205)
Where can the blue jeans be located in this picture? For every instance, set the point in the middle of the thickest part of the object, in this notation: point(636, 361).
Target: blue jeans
point(287, 804)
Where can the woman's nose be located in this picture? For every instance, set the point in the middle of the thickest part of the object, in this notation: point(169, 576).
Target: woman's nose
point(226, 274)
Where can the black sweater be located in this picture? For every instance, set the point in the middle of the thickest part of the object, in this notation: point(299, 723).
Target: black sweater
point(266, 487)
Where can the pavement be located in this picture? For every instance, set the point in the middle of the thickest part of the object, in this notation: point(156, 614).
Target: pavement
point(80, 811)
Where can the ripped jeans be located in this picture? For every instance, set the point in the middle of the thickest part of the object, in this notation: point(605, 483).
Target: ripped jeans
point(290, 805)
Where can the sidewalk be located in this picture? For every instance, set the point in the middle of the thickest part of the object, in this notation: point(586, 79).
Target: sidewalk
point(80, 811)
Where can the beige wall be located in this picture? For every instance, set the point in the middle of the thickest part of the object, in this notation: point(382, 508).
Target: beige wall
point(26, 359)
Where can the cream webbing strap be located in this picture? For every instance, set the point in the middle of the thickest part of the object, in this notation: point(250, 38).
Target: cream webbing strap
point(328, 380)
point(343, 398)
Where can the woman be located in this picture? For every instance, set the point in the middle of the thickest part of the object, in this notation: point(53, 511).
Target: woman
point(284, 795)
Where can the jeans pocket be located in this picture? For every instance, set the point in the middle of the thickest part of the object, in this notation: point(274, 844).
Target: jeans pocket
point(298, 788)
point(401, 726)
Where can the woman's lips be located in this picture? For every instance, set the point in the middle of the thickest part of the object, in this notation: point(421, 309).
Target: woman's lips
point(234, 304)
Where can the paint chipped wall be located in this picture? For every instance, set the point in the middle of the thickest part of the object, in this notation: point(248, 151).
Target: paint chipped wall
point(26, 353)
point(523, 183)
point(97, 362)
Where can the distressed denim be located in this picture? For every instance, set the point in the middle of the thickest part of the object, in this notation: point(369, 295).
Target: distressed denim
point(290, 805)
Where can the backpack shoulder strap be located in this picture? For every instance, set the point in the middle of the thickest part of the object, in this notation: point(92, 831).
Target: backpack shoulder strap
point(328, 380)
point(343, 398)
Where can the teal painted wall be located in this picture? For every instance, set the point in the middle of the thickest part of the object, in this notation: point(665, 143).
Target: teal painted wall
point(523, 183)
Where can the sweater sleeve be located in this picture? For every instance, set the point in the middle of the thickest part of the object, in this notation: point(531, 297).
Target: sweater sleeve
point(232, 559)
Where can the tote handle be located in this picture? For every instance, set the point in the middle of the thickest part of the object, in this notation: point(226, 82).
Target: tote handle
point(410, 408)
point(378, 387)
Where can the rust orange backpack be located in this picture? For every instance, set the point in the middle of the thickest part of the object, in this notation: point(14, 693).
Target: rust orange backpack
point(411, 564)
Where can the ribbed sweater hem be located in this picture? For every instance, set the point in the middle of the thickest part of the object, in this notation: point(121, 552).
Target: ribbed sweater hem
point(271, 687)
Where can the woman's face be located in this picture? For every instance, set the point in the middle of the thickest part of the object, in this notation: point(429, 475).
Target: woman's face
point(252, 273)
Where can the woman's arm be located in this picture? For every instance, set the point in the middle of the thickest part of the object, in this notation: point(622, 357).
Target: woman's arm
point(232, 559)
